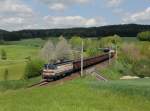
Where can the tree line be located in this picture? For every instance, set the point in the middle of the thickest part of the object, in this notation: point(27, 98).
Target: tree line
point(125, 30)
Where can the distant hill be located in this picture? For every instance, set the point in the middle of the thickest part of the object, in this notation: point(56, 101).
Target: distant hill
point(3, 31)
point(125, 30)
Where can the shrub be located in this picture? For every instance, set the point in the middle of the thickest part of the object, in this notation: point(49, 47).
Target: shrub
point(144, 36)
point(33, 69)
point(92, 51)
point(110, 41)
point(6, 74)
point(145, 49)
point(76, 42)
point(3, 54)
point(142, 68)
point(114, 71)
point(130, 53)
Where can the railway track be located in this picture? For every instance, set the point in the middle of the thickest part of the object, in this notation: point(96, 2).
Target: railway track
point(72, 75)
point(61, 80)
point(42, 83)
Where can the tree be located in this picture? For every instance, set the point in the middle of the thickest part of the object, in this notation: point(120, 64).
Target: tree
point(48, 52)
point(33, 68)
point(144, 36)
point(6, 74)
point(110, 40)
point(3, 54)
point(92, 51)
point(63, 49)
point(142, 68)
point(76, 42)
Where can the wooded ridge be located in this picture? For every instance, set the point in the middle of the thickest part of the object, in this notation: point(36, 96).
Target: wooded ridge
point(124, 30)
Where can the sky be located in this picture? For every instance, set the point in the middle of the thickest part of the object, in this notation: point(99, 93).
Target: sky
point(49, 14)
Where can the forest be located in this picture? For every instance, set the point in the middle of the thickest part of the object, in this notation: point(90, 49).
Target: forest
point(125, 30)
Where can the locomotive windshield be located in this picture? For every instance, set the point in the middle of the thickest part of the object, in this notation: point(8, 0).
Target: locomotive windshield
point(50, 66)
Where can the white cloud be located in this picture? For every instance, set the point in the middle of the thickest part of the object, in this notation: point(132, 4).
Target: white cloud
point(58, 5)
point(72, 21)
point(12, 20)
point(113, 3)
point(15, 6)
point(142, 17)
point(16, 15)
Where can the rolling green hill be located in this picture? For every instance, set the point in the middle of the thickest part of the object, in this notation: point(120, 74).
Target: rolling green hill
point(80, 95)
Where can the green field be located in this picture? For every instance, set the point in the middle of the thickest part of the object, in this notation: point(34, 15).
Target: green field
point(81, 95)
point(16, 59)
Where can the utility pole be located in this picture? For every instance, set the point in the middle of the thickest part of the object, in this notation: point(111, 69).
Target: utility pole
point(116, 53)
point(82, 60)
point(109, 55)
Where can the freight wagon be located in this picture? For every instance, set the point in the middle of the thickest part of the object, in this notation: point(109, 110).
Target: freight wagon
point(55, 71)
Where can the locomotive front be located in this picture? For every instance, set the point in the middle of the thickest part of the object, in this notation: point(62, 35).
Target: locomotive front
point(49, 71)
point(55, 71)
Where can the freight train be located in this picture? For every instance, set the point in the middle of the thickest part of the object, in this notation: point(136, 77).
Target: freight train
point(59, 70)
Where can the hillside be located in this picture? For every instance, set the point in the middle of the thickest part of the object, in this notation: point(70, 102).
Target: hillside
point(80, 95)
point(126, 30)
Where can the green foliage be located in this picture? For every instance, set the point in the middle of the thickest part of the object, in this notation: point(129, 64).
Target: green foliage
point(3, 54)
point(129, 53)
point(92, 51)
point(144, 36)
point(110, 41)
point(2, 41)
point(6, 75)
point(76, 42)
point(145, 49)
point(33, 68)
point(114, 71)
point(92, 47)
point(124, 30)
point(142, 68)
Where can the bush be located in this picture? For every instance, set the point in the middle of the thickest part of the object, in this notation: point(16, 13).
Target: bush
point(76, 42)
point(145, 49)
point(142, 68)
point(130, 53)
point(92, 51)
point(110, 41)
point(3, 54)
point(6, 74)
point(144, 36)
point(33, 69)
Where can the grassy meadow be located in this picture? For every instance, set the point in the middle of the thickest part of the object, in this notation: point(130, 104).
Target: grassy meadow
point(82, 94)
point(17, 54)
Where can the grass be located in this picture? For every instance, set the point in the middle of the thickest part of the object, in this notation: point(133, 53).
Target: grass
point(130, 39)
point(17, 84)
point(80, 95)
point(16, 60)
point(29, 42)
point(83, 94)
point(15, 71)
point(17, 52)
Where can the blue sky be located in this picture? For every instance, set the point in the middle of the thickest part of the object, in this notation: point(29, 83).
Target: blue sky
point(42, 14)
